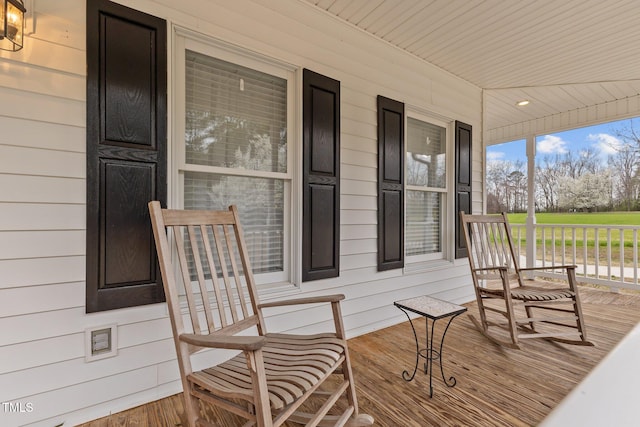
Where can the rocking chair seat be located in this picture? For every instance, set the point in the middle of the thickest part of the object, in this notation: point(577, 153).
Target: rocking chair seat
point(293, 365)
point(530, 293)
point(534, 293)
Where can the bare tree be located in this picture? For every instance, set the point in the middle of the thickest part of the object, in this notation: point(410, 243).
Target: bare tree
point(572, 180)
point(547, 175)
point(629, 136)
point(497, 171)
point(517, 188)
point(506, 186)
point(626, 165)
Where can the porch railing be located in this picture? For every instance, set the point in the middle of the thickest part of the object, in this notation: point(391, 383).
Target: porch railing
point(605, 255)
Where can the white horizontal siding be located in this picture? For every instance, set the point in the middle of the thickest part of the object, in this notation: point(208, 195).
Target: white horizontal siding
point(43, 82)
point(52, 136)
point(48, 351)
point(47, 378)
point(43, 192)
point(47, 324)
point(351, 187)
point(359, 216)
point(358, 143)
point(26, 216)
point(358, 202)
point(51, 297)
point(358, 246)
point(41, 244)
point(50, 55)
point(357, 157)
point(42, 162)
point(360, 173)
point(357, 261)
point(39, 189)
point(41, 271)
point(57, 406)
point(53, 109)
point(354, 232)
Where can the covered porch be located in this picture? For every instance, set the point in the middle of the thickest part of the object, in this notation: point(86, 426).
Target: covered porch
point(495, 386)
point(448, 61)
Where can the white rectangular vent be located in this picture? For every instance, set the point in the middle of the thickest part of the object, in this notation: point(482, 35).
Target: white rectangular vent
point(101, 342)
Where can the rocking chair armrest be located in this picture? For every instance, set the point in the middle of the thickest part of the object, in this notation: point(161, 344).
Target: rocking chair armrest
point(551, 267)
point(299, 301)
point(231, 342)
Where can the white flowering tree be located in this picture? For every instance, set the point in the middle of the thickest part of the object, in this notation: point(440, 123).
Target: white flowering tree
point(587, 192)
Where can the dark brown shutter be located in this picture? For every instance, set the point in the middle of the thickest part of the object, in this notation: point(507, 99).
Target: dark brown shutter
point(126, 153)
point(390, 184)
point(321, 177)
point(463, 182)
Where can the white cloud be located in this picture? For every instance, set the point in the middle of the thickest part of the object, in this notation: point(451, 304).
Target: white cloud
point(607, 144)
point(551, 144)
point(495, 155)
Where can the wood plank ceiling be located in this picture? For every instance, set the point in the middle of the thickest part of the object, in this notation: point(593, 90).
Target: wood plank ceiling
point(560, 55)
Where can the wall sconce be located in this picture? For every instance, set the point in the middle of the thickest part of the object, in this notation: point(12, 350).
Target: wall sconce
point(11, 24)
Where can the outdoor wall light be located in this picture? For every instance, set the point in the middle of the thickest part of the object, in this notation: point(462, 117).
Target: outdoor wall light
point(522, 103)
point(11, 24)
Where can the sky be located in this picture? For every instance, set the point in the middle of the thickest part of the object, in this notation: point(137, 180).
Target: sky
point(600, 138)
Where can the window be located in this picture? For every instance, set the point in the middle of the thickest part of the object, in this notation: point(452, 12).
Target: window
point(426, 189)
point(233, 145)
point(414, 183)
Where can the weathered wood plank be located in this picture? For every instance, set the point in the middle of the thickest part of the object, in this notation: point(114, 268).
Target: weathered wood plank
point(495, 386)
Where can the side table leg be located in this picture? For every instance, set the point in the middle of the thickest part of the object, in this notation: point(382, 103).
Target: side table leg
point(430, 353)
point(452, 381)
point(405, 373)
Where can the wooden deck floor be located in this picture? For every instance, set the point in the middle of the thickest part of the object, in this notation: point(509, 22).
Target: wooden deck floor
point(495, 386)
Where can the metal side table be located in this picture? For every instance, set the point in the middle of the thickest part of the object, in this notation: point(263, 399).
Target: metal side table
point(434, 309)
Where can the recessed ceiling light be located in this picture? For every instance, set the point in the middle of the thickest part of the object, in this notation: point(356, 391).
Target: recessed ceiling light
point(522, 103)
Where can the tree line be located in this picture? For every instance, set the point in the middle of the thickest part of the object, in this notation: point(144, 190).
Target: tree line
point(576, 180)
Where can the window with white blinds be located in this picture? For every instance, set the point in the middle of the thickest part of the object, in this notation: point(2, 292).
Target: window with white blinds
point(426, 186)
point(235, 152)
point(236, 117)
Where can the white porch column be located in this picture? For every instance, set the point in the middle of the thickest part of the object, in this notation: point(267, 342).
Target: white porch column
point(531, 201)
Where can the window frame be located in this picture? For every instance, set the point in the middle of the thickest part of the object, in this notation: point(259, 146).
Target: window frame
point(184, 39)
point(426, 260)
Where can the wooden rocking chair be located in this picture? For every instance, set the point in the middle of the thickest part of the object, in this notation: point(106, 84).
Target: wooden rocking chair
point(273, 374)
point(551, 310)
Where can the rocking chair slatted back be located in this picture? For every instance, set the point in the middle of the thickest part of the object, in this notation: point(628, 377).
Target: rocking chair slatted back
point(490, 246)
point(206, 247)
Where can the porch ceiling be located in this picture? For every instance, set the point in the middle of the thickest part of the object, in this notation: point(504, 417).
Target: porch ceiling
point(561, 56)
